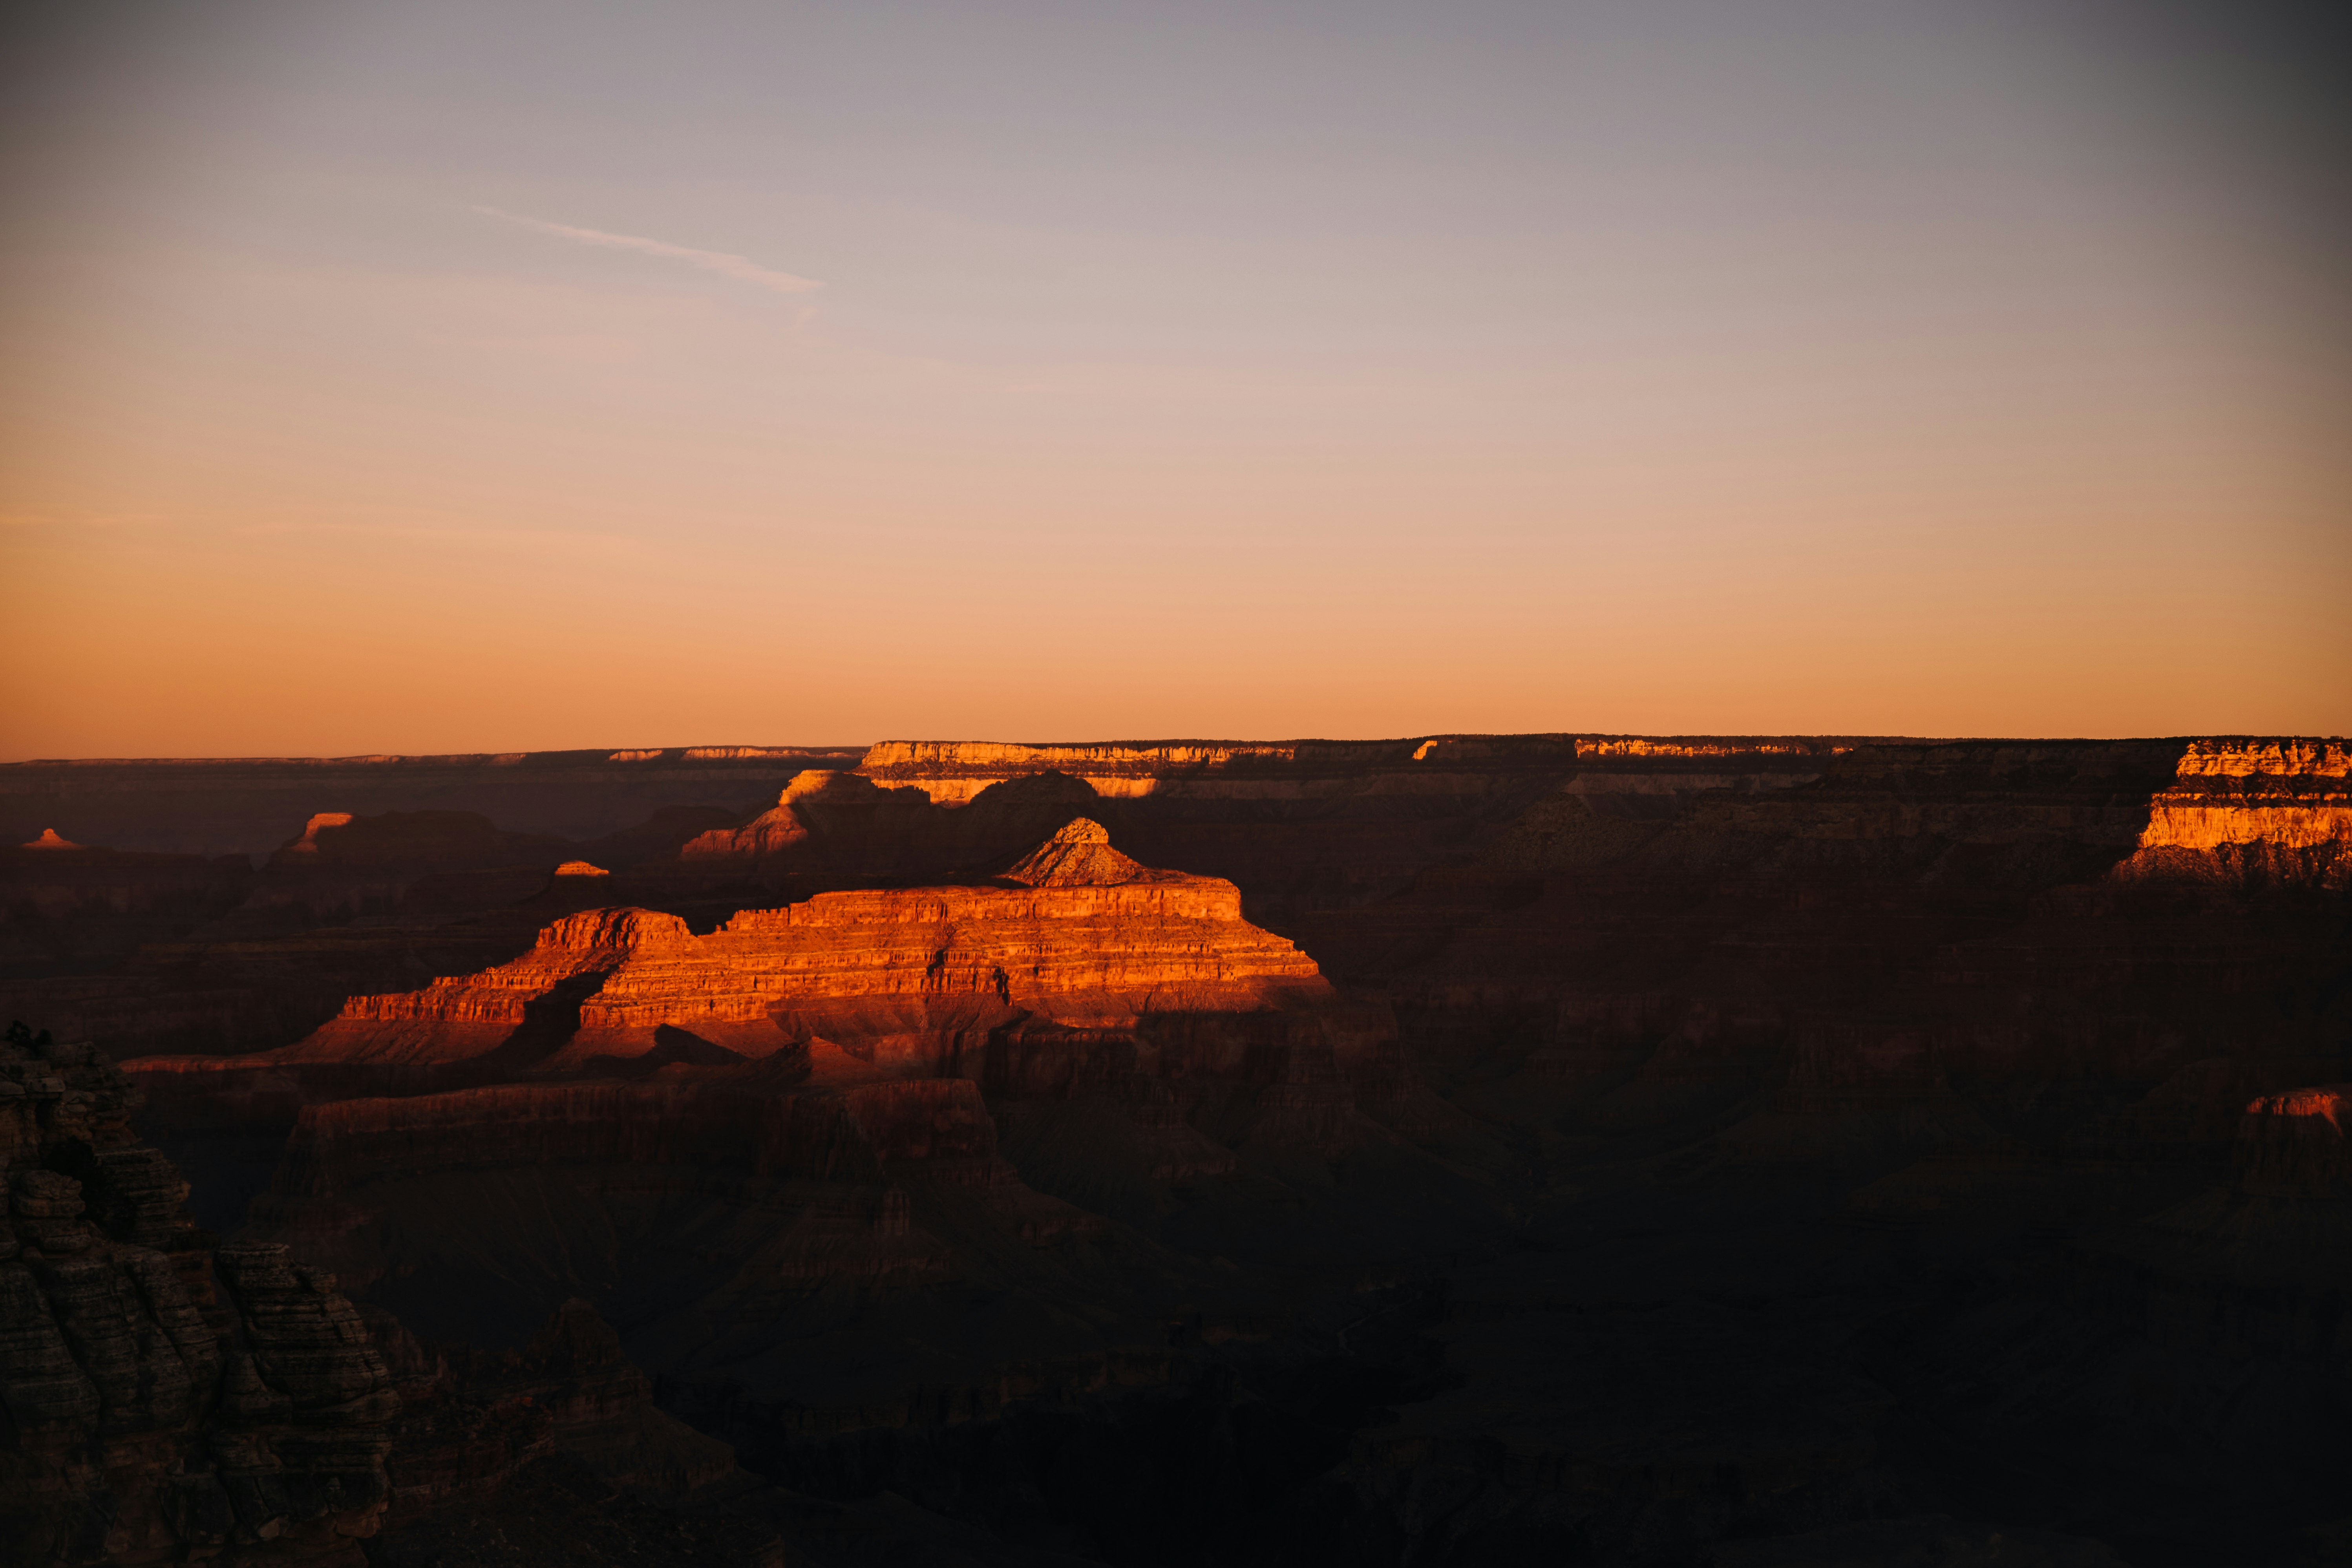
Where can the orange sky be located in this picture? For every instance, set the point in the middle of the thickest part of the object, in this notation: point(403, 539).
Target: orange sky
point(1269, 373)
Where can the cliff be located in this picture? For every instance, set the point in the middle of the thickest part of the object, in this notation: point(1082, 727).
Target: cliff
point(164, 1400)
point(697, 1131)
point(951, 771)
point(2269, 810)
point(1309, 825)
point(170, 1400)
point(2298, 1143)
point(1096, 940)
point(155, 954)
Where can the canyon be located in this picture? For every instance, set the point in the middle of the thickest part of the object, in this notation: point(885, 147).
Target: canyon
point(1726, 1150)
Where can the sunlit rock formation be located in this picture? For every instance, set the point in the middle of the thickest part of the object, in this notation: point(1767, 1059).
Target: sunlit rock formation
point(1079, 936)
point(2299, 1143)
point(840, 1061)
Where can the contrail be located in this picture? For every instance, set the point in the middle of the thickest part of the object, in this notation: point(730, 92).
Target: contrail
point(742, 268)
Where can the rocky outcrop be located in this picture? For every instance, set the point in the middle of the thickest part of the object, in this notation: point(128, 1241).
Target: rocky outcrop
point(2298, 1143)
point(2253, 814)
point(1096, 940)
point(1079, 855)
point(720, 1138)
point(164, 1400)
point(836, 829)
point(780, 826)
point(169, 1400)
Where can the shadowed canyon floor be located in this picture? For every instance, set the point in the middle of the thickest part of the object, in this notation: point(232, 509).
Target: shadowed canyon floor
point(1735, 1150)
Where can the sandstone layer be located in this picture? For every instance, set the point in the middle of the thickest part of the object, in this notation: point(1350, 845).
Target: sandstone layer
point(1082, 938)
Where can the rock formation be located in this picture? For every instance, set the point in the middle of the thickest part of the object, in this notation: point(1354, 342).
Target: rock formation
point(1083, 937)
point(1735, 1150)
point(164, 1399)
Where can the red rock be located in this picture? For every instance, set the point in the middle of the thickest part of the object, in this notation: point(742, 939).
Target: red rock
point(2299, 1141)
point(900, 970)
point(1079, 855)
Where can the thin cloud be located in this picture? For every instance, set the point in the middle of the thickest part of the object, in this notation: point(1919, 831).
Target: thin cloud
point(525, 538)
point(740, 268)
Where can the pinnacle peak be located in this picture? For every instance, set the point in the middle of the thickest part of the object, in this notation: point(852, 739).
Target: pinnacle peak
point(1077, 855)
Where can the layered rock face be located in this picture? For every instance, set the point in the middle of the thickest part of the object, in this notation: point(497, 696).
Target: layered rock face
point(167, 1399)
point(1298, 827)
point(831, 1053)
point(164, 1400)
point(1308, 825)
point(837, 830)
point(221, 956)
point(2300, 1141)
point(1079, 936)
point(953, 771)
point(2255, 812)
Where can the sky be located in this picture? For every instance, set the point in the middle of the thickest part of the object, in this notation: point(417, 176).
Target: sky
point(506, 376)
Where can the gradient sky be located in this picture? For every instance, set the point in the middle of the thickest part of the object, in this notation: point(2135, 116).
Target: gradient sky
point(501, 375)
